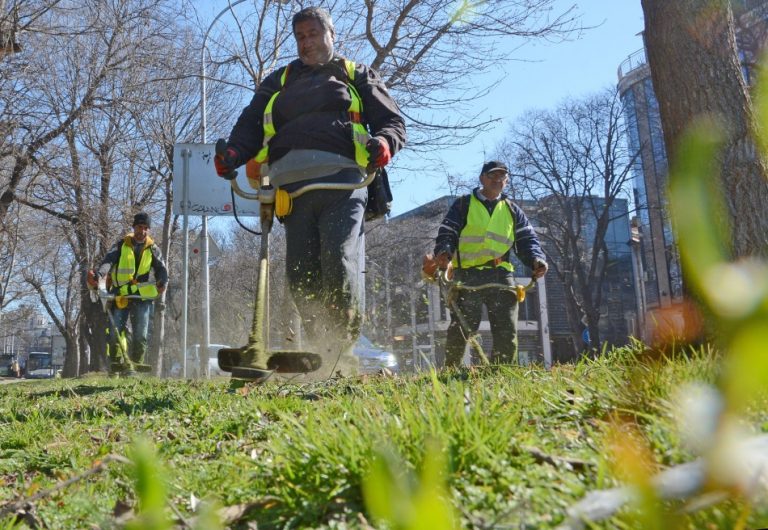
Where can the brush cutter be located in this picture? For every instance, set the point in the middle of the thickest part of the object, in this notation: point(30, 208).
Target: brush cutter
point(122, 362)
point(254, 361)
point(450, 289)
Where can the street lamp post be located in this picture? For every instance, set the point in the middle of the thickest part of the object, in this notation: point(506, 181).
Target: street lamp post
point(204, 278)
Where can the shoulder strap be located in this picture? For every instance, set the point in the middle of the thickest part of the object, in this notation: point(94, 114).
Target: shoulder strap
point(284, 75)
point(349, 67)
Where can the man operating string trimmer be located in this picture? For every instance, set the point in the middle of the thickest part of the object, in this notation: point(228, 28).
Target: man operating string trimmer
point(127, 266)
point(473, 244)
point(322, 119)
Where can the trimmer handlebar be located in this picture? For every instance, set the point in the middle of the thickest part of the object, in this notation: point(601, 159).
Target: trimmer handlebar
point(100, 293)
point(450, 284)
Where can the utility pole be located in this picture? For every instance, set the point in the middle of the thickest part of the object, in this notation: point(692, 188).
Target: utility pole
point(204, 278)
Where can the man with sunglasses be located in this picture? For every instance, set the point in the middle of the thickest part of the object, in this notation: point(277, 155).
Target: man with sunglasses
point(474, 243)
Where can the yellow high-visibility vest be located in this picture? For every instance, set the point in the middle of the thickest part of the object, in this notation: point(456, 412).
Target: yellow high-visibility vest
point(125, 274)
point(485, 239)
point(360, 134)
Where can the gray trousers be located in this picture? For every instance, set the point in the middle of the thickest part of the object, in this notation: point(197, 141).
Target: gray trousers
point(323, 249)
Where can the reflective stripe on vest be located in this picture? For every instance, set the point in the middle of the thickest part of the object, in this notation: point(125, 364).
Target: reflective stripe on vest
point(125, 273)
point(486, 239)
point(360, 134)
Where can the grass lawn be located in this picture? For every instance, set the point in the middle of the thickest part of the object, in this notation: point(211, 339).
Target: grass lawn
point(513, 448)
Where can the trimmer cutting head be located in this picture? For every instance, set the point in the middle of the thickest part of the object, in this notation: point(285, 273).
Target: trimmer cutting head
point(283, 361)
point(118, 368)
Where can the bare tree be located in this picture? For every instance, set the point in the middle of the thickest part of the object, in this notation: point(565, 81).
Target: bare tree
point(101, 165)
point(573, 161)
point(47, 266)
point(695, 69)
point(13, 290)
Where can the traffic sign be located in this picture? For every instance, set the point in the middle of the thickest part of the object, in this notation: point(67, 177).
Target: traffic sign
point(197, 246)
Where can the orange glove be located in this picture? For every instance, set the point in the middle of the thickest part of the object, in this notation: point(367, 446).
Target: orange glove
point(444, 261)
point(92, 280)
point(429, 267)
point(253, 172)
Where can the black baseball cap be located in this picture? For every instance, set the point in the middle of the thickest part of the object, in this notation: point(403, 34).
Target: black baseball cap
point(494, 165)
point(141, 218)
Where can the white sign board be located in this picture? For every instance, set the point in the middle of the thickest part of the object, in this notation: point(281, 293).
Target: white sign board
point(208, 193)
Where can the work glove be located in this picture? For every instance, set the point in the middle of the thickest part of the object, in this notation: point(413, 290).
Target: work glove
point(540, 268)
point(92, 279)
point(378, 152)
point(431, 264)
point(160, 289)
point(225, 160)
point(428, 267)
point(444, 261)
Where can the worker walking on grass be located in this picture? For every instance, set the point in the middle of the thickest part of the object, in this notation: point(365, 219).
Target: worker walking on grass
point(473, 244)
point(127, 266)
point(322, 119)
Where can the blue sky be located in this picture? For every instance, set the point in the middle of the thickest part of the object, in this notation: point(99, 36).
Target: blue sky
point(546, 74)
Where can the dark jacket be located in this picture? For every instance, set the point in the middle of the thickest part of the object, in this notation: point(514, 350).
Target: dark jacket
point(311, 112)
point(158, 266)
point(526, 245)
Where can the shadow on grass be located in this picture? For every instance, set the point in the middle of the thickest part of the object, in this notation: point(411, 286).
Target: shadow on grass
point(79, 391)
point(126, 400)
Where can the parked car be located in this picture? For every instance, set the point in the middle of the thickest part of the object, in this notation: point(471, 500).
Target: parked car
point(372, 358)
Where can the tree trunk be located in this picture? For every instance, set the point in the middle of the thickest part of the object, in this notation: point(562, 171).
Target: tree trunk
point(155, 350)
point(695, 68)
point(96, 322)
point(72, 354)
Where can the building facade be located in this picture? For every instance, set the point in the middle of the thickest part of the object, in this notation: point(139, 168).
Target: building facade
point(659, 262)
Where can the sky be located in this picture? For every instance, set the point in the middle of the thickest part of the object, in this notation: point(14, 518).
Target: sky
point(547, 74)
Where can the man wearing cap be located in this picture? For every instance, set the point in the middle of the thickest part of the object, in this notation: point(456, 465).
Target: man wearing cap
point(475, 240)
point(128, 265)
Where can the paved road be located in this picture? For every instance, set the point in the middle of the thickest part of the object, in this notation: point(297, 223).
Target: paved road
point(8, 380)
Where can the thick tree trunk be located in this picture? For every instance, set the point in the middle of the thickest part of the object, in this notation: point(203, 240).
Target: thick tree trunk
point(72, 355)
point(695, 68)
point(84, 350)
point(96, 321)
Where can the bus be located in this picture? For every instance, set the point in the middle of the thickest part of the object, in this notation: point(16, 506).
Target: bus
point(40, 365)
